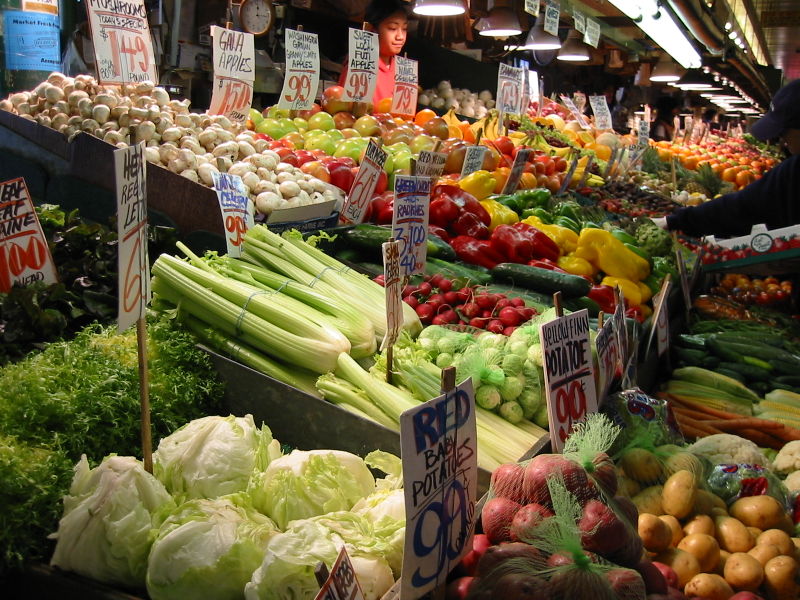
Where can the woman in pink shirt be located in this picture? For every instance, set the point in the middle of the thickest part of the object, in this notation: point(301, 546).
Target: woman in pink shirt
point(389, 19)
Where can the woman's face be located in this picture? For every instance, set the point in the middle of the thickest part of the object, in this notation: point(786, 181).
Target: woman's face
point(392, 34)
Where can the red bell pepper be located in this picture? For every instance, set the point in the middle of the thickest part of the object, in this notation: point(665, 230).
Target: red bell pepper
point(467, 202)
point(381, 208)
point(603, 295)
point(439, 232)
point(470, 225)
point(444, 211)
point(476, 252)
point(634, 312)
point(514, 244)
point(543, 246)
point(544, 263)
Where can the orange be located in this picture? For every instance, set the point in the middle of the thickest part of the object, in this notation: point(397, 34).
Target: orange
point(384, 105)
point(527, 181)
point(454, 131)
point(423, 116)
point(602, 151)
point(690, 162)
point(466, 132)
point(744, 178)
point(501, 176)
point(730, 173)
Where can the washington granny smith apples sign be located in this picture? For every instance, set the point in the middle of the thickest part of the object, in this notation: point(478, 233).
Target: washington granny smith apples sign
point(302, 71)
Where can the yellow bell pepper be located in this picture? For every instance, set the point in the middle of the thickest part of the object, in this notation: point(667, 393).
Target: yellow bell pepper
point(478, 183)
point(577, 266)
point(647, 293)
point(630, 289)
point(500, 214)
point(566, 239)
point(610, 255)
point(646, 310)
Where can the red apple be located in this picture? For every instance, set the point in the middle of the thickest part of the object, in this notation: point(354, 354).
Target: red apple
point(332, 100)
point(341, 176)
point(316, 169)
point(437, 127)
point(383, 182)
point(361, 108)
point(456, 152)
point(367, 126)
point(343, 120)
point(304, 156)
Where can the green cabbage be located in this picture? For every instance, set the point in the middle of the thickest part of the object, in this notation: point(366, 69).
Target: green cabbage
point(213, 456)
point(208, 549)
point(305, 484)
point(109, 517)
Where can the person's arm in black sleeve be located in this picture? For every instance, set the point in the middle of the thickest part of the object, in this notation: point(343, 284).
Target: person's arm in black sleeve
point(769, 200)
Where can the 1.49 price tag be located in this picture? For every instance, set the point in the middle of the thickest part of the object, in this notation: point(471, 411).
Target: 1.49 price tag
point(410, 221)
point(364, 184)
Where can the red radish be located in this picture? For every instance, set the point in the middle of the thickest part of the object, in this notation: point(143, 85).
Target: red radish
point(411, 301)
point(435, 280)
point(425, 312)
point(480, 544)
point(379, 280)
point(518, 302)
point(526, 520)
point(506, 482)
point(528, 313)
point(470, 310)
point(458, 589)
point(439, 320)
point(602, 531)
point(478, 323)
point(668, 572)
point(408, 290)
point(464, 295)
point(436, 299)
point(450, 315)
point(496, 555)
point(486, 313)
point(503, 303)
point(451, 297)
point(485, 301)
point(440, 308)
point(496, 518)
point(627, 584)
point(445, 285)
point(424, 288)
point(654, 580)
point(509, 330)
point(495, 326)
point(509, 316)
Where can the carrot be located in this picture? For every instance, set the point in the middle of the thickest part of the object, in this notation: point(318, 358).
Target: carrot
point(744, 423)
point(695, 429)
point(700, 407)
point(762, 438)
point(694, 414)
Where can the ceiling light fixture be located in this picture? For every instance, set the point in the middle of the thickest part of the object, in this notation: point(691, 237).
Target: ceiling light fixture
point(539, 39)
point(574, 50)
point(501, 22)
point(666, 70)
point(439, 8)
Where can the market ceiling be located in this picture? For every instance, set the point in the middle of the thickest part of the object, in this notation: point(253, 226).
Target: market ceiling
point(780, 22)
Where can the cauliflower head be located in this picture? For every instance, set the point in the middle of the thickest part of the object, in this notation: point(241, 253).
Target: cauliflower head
point(788, 459)
point(792, 482)
point(724, 448)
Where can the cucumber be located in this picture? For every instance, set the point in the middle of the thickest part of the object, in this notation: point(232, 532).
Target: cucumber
point(757, 362)
point(542, 280)
point(732, 374)
point(748, 371)
point(691, 356)
point(763, 351)
point(722, 350)
point(457, 271)
point(710, 362)
point(793, 380)
point(370, 237)
point(749, 338)
point(576, 304)
point(693, 342)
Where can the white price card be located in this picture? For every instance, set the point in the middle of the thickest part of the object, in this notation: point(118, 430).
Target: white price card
point(473, 160)
point(133, 263)
point(533, 86)
point(430, 164)
point(364, 184)
point(570, 104)
point(41, 6)
point(341, 583)
point(438, 443)
point(520, 160)
point(394, 287)
point(643, 134)
point(301, 80)
point(592, 34)
point(607, 357)
point(122, 44)
point(24, 255)
point(237, 210)
point(568, 374)
point(233, 53)
point(412, 198)
point(406, 79)
point(510, 84)
point(660, 322)
point(580, 21)
point(552, 13)
point(362, 66)
point(231, 97)
point(621, 334)
point(602, 116)
point(532, 7)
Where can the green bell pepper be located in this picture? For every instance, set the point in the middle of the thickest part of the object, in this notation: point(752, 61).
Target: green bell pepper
point(640, 252)
point(623, 236)
point(569, 209)
point(653, 282)
point(544, 216)
point(568, 223)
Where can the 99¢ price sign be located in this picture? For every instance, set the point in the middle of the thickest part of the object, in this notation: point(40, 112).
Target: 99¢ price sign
point(341, 583)
point(410, 221)
point(302, 71)
point(362, 66)
point(568, 374)
point(237, 210)
point(122, 43)
point(438, 443)
point(404, 95)
point(364, 184)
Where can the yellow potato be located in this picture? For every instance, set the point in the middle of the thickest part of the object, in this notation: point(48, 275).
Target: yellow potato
point(642, 465)
point(699, 524)
point(649, 500)
point(683, 461)
point(779, 539)
point(743, 572)
point(763, 553)
point(763, 512)
point(704, 548)
point(724, 555)
point(780, 575)
point(703, 504)
point(655, 533)
point(684, 564)
point(680, 492)
point(708, 586)
point(732, 535)
point(627, 486)
point(755, 532)
point(718, 512)
point(675, 527)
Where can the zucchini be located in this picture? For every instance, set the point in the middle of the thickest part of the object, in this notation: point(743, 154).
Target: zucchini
point(750, 372)
point(710, 362)
point(749, 338)
point(542, 280)
point(757, 362)
point(370, 237)
point(732, 374)
point(576, 304)
point(793, 380)
point(783, 367)
point(694, 342)
point(722, 350)
point(691, 356)
point(764, 352)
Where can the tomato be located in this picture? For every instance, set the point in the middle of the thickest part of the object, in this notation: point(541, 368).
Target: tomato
point(548, 163)
point(553, 184)
point(763, 299)
point(560, 164)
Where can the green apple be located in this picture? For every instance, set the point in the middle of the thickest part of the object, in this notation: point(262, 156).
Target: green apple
point(402, 161)
point(349, 132)
point(388, 166)
point(321, 142)
point(296, 138)
point(398, 147)
point(348, 147)
point(301, 124)
point(422, 142)
point(273, 112)
point(335, 134)
point(287, 124)
point(272, 128)
point(255, 116)
point(321, 120)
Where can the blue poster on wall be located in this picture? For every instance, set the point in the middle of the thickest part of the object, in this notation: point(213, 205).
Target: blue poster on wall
point(31, 41)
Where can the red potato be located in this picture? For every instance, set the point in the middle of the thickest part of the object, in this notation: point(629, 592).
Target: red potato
point(496, 555)
point(668, 572)
point(458, 589)
point(627, 584)
point(605, 473)
point(520, 586)
point(654, 580)
point(628, 508)
point(565, 558)
point(480, 544)
point(745, 596)
point(577, 584)
point(496, 518)
point(602, 531)
point(507, 482)
point(526, 519)
point(543, 466)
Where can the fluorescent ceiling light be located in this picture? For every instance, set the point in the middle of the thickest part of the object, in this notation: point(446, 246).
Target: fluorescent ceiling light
point(574, 50)
point(439, 8)
point(500, 22)
point(733, 35)
point(663, 31)
point(539, 39)
point(728, 26)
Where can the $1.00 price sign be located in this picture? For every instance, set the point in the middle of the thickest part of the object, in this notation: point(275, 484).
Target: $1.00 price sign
point(341, 583)
point(440, 471)
point(568, 374)
point(24, 254)
point(133, 263)
point(404, 95)
point(364, 184)
point(473, 160)
point(602, 116)
point(520, 160)
point(302, 71)
point(607, 357)
point(122, 43)
point(234, 72)
point(362, 66)
point(412, 197)
point(393, 286)
point(510, 84)
point(237, 210)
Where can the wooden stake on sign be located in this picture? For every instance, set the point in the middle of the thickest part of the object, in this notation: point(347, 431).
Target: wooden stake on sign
point(674, 176)
point(413, 166)
point(478, 137)
point(448, 379)
point(321, 573)
point(557, 304)
point(600, 320)
point(221, 166)
point(390, 347)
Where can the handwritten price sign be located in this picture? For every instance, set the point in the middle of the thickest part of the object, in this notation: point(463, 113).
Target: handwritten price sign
point(234, 73)
point(231, 97)
point(406, 79)
point(133, 262)
point(473, 160)
point(24, 255)
point(412, 197)
point(237, 210)
point(362, 66)
point(122, 43)
point(430, 164)
point(552, 13)
point(568, 374)
point(660, 323)
point(364, 184)
point(393, 286)
point(602, 116)
point(440, 472)
point(520, 160)
point(643, 134)
point(510, 84)
point(607, 357)
point(532, 7)
point(302, 71)
point(570, 104)
point(341, 583)
point(592, 34)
